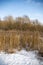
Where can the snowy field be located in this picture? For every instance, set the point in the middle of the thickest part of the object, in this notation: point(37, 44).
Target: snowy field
point(20, 58)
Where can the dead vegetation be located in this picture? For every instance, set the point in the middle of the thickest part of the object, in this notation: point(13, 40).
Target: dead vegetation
point(20, 33)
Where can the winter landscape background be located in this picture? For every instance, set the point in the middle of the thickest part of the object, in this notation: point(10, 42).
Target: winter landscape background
point(21, 32)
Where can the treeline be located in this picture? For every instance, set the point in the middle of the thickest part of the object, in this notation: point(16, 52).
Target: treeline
point(20, 23)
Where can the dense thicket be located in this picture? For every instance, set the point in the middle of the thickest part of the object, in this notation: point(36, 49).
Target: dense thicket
point(20, 23)
point(20, 33)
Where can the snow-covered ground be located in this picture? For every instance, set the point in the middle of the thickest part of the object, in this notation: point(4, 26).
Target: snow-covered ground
point(20, 58)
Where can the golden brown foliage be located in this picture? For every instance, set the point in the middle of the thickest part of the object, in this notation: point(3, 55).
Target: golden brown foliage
point(20, 33)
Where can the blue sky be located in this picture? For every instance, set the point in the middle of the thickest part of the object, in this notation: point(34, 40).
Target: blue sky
point(15, 8)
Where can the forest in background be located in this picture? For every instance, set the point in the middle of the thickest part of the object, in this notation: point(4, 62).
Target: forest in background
point(21, 32)
point(20, 23)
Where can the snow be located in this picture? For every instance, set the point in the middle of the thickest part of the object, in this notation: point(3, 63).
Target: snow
point(20, 58)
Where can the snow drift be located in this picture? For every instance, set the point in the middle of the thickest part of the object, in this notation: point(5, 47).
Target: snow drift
point(20, 58)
